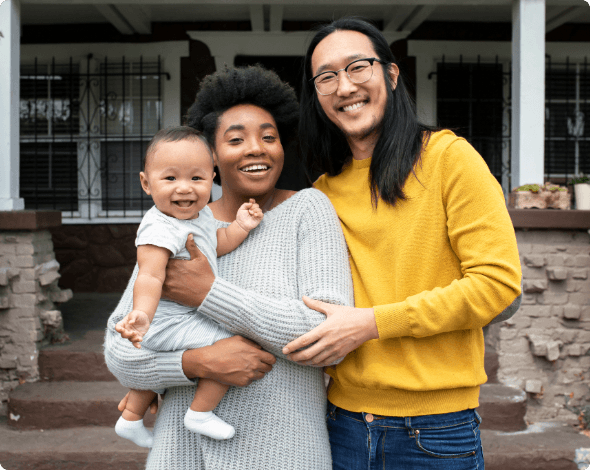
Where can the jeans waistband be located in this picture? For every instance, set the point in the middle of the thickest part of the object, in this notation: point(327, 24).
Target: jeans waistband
point(425, 421)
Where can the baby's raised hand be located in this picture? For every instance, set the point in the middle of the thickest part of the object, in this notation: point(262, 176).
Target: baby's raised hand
point(249, 215)
point(134, 326)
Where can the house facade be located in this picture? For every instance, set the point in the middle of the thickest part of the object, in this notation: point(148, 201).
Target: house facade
point(85, 84)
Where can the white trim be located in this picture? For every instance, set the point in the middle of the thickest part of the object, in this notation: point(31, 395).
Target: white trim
point(226, 45)
point(528, 93)
point(100, 220)
point(257, 18)
point(565, 15)
point(417, 17)
point(113, 16)
point(276, 18)
point(396, 16)
point(10, 105)
point(137, 17)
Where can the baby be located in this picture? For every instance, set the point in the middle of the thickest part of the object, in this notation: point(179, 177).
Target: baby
point(178, 174)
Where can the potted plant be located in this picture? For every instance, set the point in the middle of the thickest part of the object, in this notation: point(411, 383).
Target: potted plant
point(535, 196)
point(582, 191)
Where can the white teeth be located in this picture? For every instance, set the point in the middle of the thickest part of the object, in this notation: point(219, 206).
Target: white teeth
point(255, 168)
point(354, 106)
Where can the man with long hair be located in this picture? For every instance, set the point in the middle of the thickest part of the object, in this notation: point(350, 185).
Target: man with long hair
point(433, 256)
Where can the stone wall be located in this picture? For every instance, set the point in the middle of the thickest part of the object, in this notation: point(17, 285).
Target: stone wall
point(545, 348)
point(28, 298)
point(95, 258)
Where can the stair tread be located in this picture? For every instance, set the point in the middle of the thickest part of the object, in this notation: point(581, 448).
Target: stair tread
point(501, 393)
point(90, 341)
point(541, 446)
point(72, 440)
point(69, 391)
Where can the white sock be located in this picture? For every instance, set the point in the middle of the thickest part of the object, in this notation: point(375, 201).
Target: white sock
point(135, 431)
point(207, 424)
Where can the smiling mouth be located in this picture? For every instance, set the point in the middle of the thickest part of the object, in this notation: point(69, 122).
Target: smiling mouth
point(353, 107)
point(183, 203)
point(255, 169)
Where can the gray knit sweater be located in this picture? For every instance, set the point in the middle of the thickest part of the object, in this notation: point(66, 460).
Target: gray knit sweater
point(297, 250)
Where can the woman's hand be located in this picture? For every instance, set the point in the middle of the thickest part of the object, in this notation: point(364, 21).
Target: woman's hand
point(344, 330)
point(188, 282)
point(234, 361)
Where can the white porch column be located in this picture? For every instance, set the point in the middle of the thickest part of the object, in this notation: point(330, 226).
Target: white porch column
point(9, 105)
point(528, 92)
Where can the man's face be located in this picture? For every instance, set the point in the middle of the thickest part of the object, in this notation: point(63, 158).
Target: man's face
point(356, 108)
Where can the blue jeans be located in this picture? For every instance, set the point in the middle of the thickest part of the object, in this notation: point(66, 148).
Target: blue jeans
point(361, 441)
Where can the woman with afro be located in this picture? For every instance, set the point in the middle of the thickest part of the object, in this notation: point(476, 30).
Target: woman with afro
point(276, 406)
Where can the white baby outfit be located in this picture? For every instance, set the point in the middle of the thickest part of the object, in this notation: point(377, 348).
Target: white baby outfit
point(176, 326)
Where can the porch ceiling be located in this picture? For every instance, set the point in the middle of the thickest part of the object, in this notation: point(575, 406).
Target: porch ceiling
point(394, 14)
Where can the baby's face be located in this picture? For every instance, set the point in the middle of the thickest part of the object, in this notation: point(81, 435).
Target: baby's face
point(179, 176)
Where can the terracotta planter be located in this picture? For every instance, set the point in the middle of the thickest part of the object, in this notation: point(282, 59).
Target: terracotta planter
point(582, 191)
point(527, 200)
point(542, 199)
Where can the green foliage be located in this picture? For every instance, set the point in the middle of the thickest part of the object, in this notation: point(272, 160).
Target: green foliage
point(534, 188)
point(552, 187)
point(580, 179)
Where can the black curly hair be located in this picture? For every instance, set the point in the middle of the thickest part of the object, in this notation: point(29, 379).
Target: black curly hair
point(233, 86)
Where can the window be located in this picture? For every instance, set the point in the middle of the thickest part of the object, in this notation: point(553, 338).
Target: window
point(567, 104)
point(49, 109)
point(471, 102)
point(84, 130)
point(473, 99)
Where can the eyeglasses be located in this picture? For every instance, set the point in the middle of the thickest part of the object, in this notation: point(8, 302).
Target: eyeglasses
point(358, 71)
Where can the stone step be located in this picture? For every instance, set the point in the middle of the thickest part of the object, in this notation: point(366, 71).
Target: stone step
point(58, 405)
point(87, 448)
point(491, 365)
point(502, 408)
point(542, 446)
point(79, 360)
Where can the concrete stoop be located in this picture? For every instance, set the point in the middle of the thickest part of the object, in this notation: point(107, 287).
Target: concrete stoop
point(542, 446)
point(87, 448)
point(79, 360)
point(502, 408)
point(545, 446)
point(66, 421)
point(58, 405)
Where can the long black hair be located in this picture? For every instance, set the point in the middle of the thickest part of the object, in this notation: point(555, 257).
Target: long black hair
point(402, 136)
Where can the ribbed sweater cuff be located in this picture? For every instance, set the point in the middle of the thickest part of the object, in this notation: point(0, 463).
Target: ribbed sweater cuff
point(392, 320)
point(168, 368)
point(223, 301)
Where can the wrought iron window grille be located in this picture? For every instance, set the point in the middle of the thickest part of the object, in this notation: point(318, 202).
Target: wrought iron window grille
point(84, 129)
point(474, 99)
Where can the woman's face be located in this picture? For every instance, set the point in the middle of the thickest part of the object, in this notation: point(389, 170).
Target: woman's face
point(249, 154)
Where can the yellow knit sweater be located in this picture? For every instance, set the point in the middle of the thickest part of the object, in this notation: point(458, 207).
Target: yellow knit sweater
point(436, 268)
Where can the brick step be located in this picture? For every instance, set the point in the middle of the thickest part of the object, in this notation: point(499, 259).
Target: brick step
point(58, 405)
point(542, 446)
point(80, 360)
point(502, 408)
point(87, 448)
